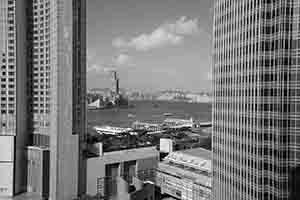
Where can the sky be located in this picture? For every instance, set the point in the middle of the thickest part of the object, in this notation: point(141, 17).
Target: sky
point(153, 44)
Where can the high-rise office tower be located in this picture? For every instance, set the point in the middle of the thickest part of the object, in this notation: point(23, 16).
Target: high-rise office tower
point(43, 48)
point(58, 77)
point(13, 98)
point(256, 109)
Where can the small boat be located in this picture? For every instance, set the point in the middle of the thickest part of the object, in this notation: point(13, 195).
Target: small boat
point(168, 114)
point(131, 115)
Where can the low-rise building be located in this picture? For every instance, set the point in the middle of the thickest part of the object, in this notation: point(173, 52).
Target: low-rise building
point(168, 145)
point(179, 122)
point(186, 175)
point(116, 173)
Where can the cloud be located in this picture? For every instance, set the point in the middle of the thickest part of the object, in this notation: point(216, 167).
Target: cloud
point(109, 69)
point(100, 70)
point(92, 62)
point(184, 26)
point(95, 68)
point(164, 35)
point(119, 43)
point(158, 38)
point(122, 59)
point(95, 64)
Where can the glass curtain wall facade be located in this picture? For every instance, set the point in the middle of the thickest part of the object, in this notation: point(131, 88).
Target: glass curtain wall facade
point(256, 108)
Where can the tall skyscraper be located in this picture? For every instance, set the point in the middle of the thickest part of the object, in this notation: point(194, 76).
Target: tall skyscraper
point(43, 75)
point(256, 109)
point(14, 135)
point(58, 77)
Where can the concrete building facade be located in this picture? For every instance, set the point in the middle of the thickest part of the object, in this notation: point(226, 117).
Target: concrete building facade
point(14, 135)
point(108, 172)
point(186, 175)
point(256, 140)
point(43, 86)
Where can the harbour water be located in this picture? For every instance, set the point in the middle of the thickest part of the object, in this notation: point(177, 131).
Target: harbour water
point(149, 111)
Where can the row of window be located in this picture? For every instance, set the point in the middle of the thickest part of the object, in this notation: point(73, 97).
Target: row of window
point(7, 111)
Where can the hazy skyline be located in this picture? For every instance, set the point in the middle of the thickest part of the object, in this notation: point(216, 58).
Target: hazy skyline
point(154, 45)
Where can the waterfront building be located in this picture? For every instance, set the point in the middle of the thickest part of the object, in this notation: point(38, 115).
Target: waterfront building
point(42, 44)
point(186, 175)
point(113, 174)
point(145, 126)
point(256, 140)
point(173, 122)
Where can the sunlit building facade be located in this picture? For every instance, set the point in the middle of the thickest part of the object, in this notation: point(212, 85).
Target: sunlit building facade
point(58, 84)
point(256, 138)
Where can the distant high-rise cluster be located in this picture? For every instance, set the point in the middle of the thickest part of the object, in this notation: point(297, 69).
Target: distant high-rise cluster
point(256, 108)
point(43, 86)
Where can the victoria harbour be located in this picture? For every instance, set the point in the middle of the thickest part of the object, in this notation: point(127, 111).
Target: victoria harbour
point(149, 111)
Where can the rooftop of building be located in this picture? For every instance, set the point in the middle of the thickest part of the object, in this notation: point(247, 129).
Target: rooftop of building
point(192, 164)
point(143, 151)
point(183, 172)
point(197, 158)
point(198, 152)
point(142, 139)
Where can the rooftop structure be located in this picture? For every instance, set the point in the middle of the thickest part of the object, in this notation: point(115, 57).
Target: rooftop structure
point(126, 138)
point(109, 168)
point(186, 174)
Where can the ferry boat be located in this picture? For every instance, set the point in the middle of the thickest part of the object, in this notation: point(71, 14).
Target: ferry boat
point(110, 130)
point(96, 105)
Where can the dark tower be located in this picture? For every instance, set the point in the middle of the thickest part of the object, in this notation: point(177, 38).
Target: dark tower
point(117, 87)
